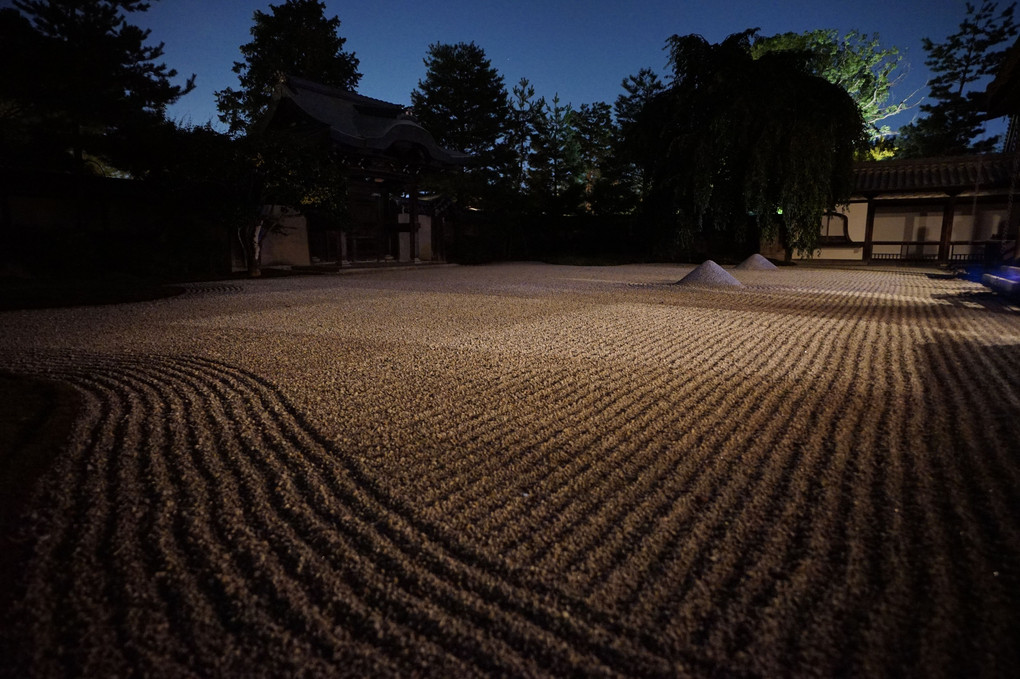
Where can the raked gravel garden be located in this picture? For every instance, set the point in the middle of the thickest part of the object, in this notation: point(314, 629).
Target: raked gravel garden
point(526, 470)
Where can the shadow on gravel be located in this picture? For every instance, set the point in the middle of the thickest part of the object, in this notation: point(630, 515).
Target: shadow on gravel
point(22, 293)
point(980, 298)
point(35, 420)
point(49, 292)
point(959, 509)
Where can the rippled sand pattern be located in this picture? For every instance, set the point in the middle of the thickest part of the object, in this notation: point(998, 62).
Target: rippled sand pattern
point(529, 470)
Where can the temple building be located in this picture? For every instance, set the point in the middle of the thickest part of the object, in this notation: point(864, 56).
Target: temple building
point(940, 210)
point(384, 153)
point(952, 210)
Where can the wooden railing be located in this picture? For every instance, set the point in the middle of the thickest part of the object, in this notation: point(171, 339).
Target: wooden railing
point(987, 251)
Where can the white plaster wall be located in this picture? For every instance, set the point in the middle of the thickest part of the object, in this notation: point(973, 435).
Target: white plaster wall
point(424, 236)
point(907, 224)
point(858, 215)
point(990, 223)
point(289, 246)
point(856, 253)
point(911, 224)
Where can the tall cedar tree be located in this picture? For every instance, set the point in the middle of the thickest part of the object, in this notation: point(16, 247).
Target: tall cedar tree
point(856, 62)
point(954, 119)
point(463, 102)
point(296, 39)
point(735, 136)
point(80, 77)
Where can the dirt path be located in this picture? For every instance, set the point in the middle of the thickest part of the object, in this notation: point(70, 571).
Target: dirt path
point(528, 470)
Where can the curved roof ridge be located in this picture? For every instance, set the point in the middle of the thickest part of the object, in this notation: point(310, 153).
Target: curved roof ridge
point(354, 97)
point(361, 122)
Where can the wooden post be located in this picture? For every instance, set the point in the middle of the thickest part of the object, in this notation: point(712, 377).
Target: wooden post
point(414, 223)
point(948, 212)
point(869, 229)
point(344, 253)
point(383, 236)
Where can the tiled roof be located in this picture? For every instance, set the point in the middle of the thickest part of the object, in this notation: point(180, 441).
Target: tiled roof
point(942, 175)
point(360, 122)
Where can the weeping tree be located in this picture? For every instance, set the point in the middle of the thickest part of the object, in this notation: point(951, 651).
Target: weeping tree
point(743, 150)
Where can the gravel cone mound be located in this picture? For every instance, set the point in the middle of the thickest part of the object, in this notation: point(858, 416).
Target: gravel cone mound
point(710, 274)
point(756, 263)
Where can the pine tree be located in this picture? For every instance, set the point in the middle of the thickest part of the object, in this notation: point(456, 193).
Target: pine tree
point(555, 180)
point(296, 39)
point(93, 79)
point(594, 131)
point(525, 115)
point(954, 119)
point(640, 89)
point(632, 167)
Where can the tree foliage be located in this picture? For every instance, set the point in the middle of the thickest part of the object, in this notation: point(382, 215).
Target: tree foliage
point(78, 76)
point(555, 178)
point(290, 168)
point(463, 102)
point(733, 138)
point(630, 171)
point(856, 62)
point(522, 133)
point(285, 167)
point(953, 120)
point(594, 131)
point(294, 38)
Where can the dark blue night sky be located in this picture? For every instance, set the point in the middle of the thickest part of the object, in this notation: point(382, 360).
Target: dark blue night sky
point(580, 50)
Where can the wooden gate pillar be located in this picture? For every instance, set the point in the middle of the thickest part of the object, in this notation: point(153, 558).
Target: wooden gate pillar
point(948, 213)
point(414, 223)
point(869, 230)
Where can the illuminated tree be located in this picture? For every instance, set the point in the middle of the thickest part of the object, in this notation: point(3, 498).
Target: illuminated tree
point(856, 62)
point(296, 39)
point(742, 148)
point(954, 119)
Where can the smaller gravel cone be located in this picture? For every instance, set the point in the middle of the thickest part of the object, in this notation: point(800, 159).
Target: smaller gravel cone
point(710, 274)
point(757, 263)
